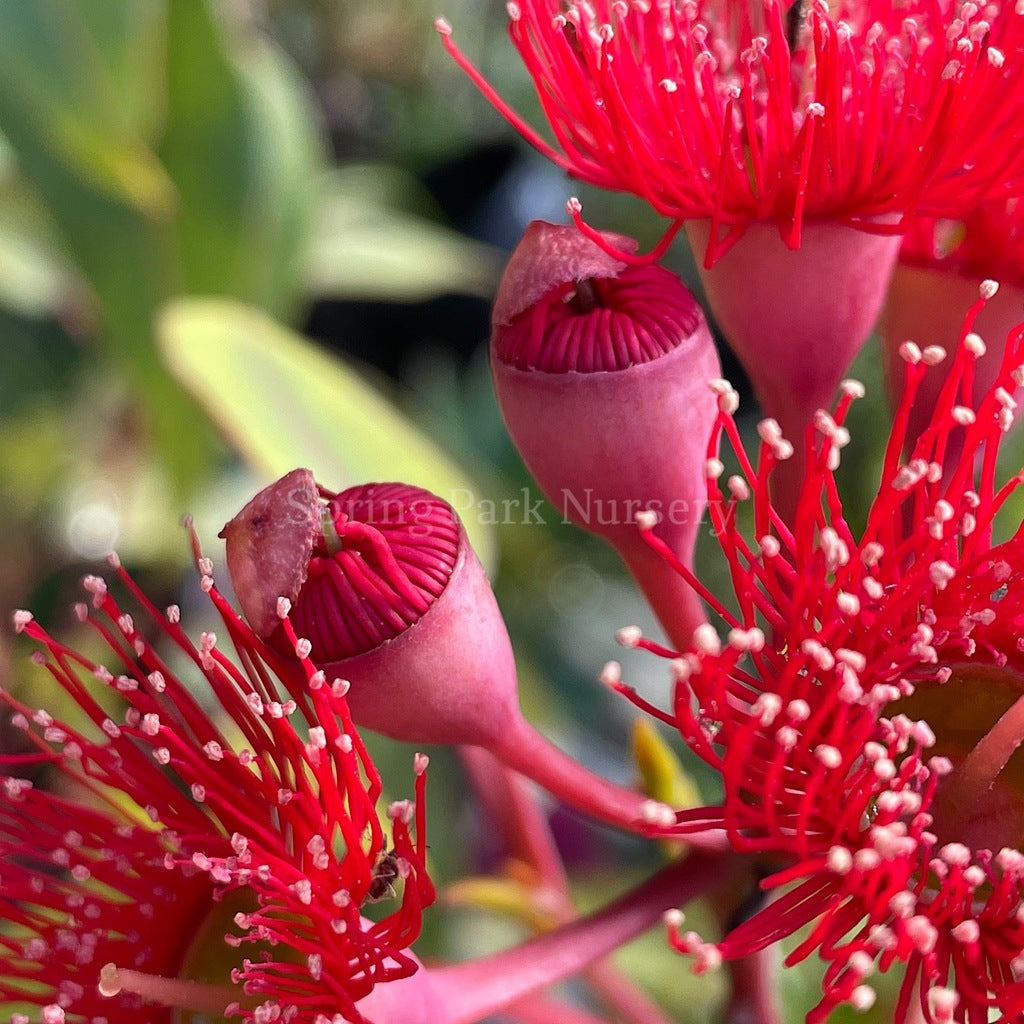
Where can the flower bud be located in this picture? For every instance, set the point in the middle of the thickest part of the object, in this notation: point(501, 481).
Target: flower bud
point(385, 586)
point(601, 372)
point(379, 585)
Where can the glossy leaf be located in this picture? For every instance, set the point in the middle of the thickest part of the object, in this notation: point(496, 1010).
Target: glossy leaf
point(282, 402)
point(242, 149)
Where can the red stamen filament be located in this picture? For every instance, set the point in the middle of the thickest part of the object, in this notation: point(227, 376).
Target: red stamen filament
point(174, 992)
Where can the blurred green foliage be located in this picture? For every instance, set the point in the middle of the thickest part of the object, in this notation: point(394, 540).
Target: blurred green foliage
point(154, 149)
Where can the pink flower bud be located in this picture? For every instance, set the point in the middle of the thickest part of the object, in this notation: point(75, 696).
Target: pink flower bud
point(602, 375)
point(384, 584)
point(380, 587)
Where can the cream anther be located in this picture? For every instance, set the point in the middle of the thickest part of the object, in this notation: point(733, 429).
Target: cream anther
point(706, 640)
point(910, 353)
point(646, 520)
point(629, 636)
point(974, 345)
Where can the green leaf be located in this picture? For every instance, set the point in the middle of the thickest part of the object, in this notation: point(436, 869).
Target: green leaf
point(33, 281)
point(59, 105)
point(368, 246)
point(282, 403)
point(107, 195)
point(130, 39)
point(242, 148)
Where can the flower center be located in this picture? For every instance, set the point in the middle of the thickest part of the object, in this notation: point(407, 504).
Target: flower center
point(978, 721)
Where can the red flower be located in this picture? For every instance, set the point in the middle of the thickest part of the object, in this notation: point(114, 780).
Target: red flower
point(211, 862)
point(866, 708)
point(735, 113)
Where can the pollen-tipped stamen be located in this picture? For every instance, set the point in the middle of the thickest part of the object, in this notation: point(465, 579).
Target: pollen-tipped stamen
point(177, 993)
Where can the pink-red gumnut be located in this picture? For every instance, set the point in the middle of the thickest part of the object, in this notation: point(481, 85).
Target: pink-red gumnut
point(602, 372)
point(796, 318)
point(396, 611)
point(392, 599)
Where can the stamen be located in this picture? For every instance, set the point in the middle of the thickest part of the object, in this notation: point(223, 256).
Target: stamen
point(175, 992)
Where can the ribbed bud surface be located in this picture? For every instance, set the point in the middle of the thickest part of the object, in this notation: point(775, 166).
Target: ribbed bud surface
point(601, 324)
point(384, 556)
point(602, 373)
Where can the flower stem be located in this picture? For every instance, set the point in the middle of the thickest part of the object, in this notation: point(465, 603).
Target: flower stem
point(525, 750)
point(620, 994)
point(474, 990)
point(754, 997)
point(543, 1010)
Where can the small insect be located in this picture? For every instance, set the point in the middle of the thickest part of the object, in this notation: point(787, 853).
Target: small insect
point(385, 871)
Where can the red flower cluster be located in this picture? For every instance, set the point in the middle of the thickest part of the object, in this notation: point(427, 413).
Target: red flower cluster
point(233, 825)
point(735, 113)
point(866, 708)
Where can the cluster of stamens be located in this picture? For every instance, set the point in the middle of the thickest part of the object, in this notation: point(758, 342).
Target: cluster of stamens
point(871, 823)
point(722, 111)
point(268, 804)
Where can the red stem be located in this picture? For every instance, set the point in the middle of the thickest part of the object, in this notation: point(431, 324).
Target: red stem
point(618, 992)
point(474, 990)
point(525, 750)
point(511, 804)
point(754, 996)
point(539, 1009)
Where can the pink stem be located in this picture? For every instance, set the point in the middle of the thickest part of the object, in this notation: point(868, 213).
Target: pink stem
point(525, 750)
point(474, 990)
point(541, 1009)
point(510, 803)
point(620, 994)
point(754, 997)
